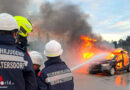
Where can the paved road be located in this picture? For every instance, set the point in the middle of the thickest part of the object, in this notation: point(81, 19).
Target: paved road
point(84, 81)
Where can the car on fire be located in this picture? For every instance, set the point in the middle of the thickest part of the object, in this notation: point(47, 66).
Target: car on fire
point(118, 60)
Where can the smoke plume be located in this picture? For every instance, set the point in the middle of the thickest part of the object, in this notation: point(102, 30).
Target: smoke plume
point(65, 20)
point(69, 23)
point(14, 7)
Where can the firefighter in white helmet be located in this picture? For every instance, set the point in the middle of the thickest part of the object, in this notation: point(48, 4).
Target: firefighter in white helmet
point(37, 61)
point(55, 75)
point(15, 65)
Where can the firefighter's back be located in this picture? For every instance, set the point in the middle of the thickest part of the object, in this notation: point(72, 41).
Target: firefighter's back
point(12, 64)
point(57, 76)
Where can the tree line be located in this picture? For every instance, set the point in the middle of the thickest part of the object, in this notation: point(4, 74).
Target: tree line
point(125, 44)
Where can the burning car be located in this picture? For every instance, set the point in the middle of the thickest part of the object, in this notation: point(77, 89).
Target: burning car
point(118, 60)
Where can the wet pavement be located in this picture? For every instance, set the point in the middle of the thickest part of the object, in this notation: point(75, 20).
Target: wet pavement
point(84, 81)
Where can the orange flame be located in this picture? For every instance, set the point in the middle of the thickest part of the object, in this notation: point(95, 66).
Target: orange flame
point(120, 81)
point(120, 56)
point(87, 47)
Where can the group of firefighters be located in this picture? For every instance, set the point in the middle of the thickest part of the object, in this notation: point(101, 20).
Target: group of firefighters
point(20, 70)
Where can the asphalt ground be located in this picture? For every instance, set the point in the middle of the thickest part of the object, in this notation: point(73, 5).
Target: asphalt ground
point(101, 81)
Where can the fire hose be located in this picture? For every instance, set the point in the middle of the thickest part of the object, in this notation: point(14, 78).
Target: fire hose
point(89, 61)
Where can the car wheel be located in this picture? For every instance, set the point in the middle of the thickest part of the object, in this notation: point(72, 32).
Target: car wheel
point(128, 69)
point(112, 71)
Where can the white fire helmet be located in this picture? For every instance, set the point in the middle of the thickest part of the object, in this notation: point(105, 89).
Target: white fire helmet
point(36, 57)
point(7, 22)
point(53, 49)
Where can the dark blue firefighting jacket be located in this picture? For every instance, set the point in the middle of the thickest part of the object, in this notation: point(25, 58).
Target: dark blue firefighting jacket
point(55, 76)
point(16, 70)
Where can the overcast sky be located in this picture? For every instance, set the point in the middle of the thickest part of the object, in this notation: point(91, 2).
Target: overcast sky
point(109, 18)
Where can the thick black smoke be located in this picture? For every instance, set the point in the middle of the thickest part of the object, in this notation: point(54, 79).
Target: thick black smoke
point(14, 7)
point(65, 20)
